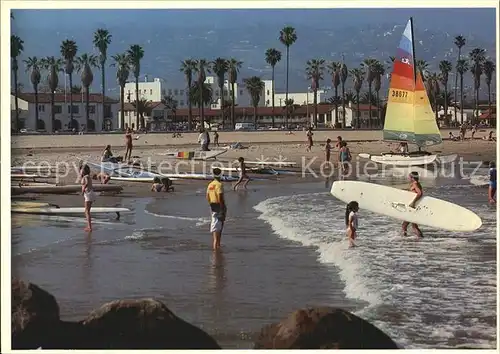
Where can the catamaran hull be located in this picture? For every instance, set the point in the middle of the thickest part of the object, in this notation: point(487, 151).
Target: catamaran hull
point(401, 160)
point(195, 155)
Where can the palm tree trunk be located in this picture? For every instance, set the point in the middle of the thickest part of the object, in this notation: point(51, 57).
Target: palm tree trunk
point(358, 113)
point(369, 105)
point(272, 88)
point(489, 99)
point(461, 99)
point(103, 80)
point(315, 102)
point(221, 88)
point(477, 106)
point(202, 116)
point(16, 104)
point(255, 117)
point(122, 108)
point(52, 111)
point(286, 94)
point(190, 106)
point(336, 107)
point(35, 87)
point(87, 113)
point(445, 103)
point(343, 105)
point(456, 83)
point(71, 100)
point(233, 121)
point(137, 102)
point(436, 106)
point(378, 110)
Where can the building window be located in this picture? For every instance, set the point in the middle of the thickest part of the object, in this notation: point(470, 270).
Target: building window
point(267, 102)
point(170, 92)
point(182, 92)
point(182, 103)
point(150, 91)
point(75, 109)
point(41, 108)
point(58, 109)
point(176, 92)
point(241, 92)
point(145, 91)
point(107, 111)
point(92, 109)
point(268, 92)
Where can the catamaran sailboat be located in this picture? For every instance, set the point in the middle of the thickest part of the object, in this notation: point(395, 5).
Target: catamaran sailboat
point(409, 117)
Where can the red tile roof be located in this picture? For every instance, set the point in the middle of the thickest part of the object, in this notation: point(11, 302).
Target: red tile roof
point(130, 107)
point(488, 115)
point(60, 97)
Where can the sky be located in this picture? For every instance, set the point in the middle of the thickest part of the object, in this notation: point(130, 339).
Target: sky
point(449, 19)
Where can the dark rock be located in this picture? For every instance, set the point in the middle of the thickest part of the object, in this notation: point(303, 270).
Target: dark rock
point(34, 311)
point(145, 324)
point(323, 328)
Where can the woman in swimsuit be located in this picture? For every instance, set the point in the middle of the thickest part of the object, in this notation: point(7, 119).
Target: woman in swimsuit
point(128, 144)
point(344, 157)
point(88, 194)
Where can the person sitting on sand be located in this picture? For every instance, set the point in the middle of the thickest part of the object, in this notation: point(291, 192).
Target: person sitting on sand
point(453, 137)
point(243, 174)
point(101, 177)
point(107, 155)
point(351, 221)
point(162, 184)
point(403, 148)
point(490, 136)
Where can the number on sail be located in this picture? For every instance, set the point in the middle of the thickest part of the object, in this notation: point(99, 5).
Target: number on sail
point(399, 94)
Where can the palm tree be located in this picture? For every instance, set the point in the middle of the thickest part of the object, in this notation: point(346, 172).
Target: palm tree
point(459, 42)
point(122, 73)
point(34, 64)
point(53, 65)
point(334, 71)
point(314, 70)
point(16, 48)
point(135, 54)
point(433, 87)
point(200, 90)
point(273, 57)
point(68, 52)
point(344, 74)
point(489, 69)
point(445, 67)
point(255, 86)
point(422, 67)
point(201, 68)
point(478, 57)
point(171, 104)
point(288, 36)
point(144, 107)
point(188, 67)
point(462, 68)
point(290, 106)
point(102, 39)
point(369, 64)
point(220, 67)
point(350, 96)
point(84, 65)
point(379, 71)
point(358, 74)
point(234, 67)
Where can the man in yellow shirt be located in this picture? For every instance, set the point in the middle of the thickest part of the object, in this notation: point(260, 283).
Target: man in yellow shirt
point(215, 198)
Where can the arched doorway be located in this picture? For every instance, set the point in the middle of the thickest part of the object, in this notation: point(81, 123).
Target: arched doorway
point(40, 124)
point(108, 124)
point(91, 126)
point(57, 125)
point(73, 124)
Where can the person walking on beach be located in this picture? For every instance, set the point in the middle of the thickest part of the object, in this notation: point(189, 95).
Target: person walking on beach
point(128, 144)
point(218, 209)
point(243, 174)
point(88, 194)
point(338, 144)
point(351, 221)
point(309, 136)
point(492, 188)
point(216, 138)
point(328, 149)
point(203, 140)
point(344, 157)
point(416, 188)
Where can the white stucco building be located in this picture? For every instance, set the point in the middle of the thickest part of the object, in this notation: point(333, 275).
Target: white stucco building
point(26, 102)
point(300, 98)
point(350, 114)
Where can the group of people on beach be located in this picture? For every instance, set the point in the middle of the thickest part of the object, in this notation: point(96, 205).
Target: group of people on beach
point(344, 156)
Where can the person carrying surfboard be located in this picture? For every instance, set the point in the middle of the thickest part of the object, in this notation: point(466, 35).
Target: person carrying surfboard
point(415, 187)
point(215, 198)
point(492, 188)
point(88, 194)
point(351, 221)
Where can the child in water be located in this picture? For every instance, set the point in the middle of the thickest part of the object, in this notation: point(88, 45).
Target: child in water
point(351, 221)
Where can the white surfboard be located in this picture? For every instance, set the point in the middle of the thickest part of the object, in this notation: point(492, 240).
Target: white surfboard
point(401, 160)
point(394, 203)
point(67, 211)
point(480, 180)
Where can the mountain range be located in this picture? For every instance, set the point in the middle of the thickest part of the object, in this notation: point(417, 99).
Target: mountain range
point(166, 44)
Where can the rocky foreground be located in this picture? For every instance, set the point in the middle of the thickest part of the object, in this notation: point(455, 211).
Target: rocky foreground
point(149, 324)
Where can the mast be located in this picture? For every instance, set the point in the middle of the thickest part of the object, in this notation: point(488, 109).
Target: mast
point(413, 49)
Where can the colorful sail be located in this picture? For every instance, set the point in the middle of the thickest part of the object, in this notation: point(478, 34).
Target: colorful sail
point(409, 115)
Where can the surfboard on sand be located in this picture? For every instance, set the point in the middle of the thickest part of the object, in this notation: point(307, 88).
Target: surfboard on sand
point(392, 202)
point(67, 211)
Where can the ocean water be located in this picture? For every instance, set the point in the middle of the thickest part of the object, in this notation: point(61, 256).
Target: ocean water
point(283, 248)
point(438, 292)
